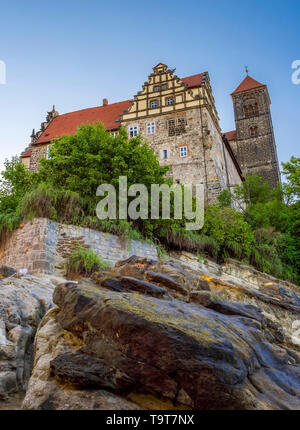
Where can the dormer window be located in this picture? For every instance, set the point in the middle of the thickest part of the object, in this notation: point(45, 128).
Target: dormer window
point(169, 101)
point(153, 104)
point(133, 131)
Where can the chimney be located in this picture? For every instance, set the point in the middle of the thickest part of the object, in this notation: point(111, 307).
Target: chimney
point(105, 102)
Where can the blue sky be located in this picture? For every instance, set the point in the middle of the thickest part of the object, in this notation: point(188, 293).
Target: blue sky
point(73, 54)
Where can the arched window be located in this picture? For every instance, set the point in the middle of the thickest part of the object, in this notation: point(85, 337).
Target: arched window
point(251, 109)
point(254, 131)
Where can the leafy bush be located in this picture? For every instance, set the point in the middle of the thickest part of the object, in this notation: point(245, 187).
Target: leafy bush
point(229, 229)
point(57, 204)
point(181, 239)
point(84, 262)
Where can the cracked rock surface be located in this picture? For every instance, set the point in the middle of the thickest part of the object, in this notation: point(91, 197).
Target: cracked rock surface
point(23, 303)
point(158, 335)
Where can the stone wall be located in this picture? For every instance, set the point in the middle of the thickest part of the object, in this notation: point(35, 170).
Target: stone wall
point(37, 151)
point(256, 154)
point(42, 245)
point(26, 248)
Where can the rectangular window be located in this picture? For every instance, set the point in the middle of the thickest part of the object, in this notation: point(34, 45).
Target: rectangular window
point(169, 101)
point(154, 104)
point(165, 153)
point(183, 151)
point(115, 133)
point(150, 127)
point(133, 131)
point(164, 87)
point(156, 89)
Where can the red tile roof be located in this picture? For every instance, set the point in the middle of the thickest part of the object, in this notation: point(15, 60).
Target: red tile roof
point(231, 135)
point(247, 84)
point(68, 123)
point(26, 154)
point(194, 80)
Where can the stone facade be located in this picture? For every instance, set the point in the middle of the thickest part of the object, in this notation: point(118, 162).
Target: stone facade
point(182, 126)
point(254, 146)
point(42, 245)
point(37, 152)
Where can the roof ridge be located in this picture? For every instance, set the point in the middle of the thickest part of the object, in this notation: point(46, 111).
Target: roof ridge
point(196, 74)
point(94, 107)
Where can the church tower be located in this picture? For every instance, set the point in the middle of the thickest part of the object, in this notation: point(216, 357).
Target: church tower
point(253, 143)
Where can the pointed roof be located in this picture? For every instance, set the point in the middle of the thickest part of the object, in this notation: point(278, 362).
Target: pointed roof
point(247, 84)
point(160, 66)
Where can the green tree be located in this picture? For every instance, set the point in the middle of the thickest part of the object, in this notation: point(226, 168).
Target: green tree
point(92, 156)
point(15, 182)
point(291, 170)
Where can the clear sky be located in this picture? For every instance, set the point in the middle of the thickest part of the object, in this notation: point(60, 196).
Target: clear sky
point(74, 53)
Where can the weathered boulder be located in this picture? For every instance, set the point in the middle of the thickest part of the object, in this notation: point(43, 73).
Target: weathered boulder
point(48, 393)
point(23, 303)
point(177, 350)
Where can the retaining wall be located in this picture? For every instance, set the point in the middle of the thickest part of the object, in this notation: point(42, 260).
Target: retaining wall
point(41, 246)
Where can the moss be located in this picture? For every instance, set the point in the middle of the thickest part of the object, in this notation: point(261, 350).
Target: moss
point(203, 326)
point(72, 339)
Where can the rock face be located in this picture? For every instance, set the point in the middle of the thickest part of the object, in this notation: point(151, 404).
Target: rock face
point(160, 335)
point(48, 393)
point(23, 302)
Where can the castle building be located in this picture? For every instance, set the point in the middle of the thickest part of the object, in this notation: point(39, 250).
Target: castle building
point(253, 141)
point(178, 118)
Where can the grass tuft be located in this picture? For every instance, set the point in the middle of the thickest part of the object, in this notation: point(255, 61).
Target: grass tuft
point(84, 262)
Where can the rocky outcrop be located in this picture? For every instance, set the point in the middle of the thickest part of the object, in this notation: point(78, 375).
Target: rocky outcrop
point(23, 302)
point(46, 392)
point(161, 335)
